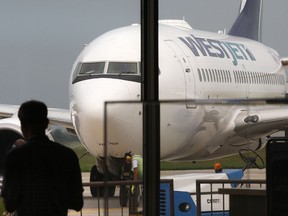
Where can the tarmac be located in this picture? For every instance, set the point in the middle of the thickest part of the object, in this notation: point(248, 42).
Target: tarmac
point(90, 203)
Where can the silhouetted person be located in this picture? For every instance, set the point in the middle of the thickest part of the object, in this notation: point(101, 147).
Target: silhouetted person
point(16, 144)
point(42, 177)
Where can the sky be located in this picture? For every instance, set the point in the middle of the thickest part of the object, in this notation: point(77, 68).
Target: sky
point(40, 39)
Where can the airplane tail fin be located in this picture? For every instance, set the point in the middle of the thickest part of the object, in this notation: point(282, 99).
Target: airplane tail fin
point(248, 22)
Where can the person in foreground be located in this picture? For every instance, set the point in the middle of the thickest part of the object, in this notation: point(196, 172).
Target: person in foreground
point(42, 177)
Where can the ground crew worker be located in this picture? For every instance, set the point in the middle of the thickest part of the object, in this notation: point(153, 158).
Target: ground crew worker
point(137, 167)
point(136, 162)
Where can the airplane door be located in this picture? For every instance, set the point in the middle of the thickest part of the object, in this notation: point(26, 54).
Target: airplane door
point(190, 86)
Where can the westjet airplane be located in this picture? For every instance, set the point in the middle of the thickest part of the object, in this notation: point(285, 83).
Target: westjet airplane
point(193, 65)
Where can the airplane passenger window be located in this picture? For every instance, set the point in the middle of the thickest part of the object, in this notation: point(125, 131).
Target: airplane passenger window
point(242, 77)
point(207, 75)
point(212, 78)
point(236, 77)
point(270, 78)
point(228, 76)
point(203, 73)
point(225, 76)
point(262, 78)
point(217, 76)
point(222, 77)
point(258, 78)
point(249, 77)
point(92, 68)
point(199, 74)
point(122, 68)
point(253, 77)
point(245, 77)
point(266, 79)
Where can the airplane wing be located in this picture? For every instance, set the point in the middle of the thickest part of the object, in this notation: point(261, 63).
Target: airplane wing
point(58, 117)
point(284, 61)
point(7, 111)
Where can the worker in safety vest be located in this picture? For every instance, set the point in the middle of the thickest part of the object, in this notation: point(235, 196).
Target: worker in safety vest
point(135, 162)
point(137, 167)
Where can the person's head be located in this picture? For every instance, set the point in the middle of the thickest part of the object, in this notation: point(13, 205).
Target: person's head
point(33, 117)
point(128, 157)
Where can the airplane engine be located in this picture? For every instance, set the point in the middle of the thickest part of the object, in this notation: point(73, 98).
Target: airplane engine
point(10, 131)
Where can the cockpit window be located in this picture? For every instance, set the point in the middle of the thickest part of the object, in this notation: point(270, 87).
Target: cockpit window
point(128, 71)
point(92, 68)
point(122, 68)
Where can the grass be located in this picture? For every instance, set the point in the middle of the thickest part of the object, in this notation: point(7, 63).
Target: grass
point(2, 209)
point(232, 162)
point(87, 160)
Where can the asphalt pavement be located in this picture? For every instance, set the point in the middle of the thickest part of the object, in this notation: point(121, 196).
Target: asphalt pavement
point(90, 203)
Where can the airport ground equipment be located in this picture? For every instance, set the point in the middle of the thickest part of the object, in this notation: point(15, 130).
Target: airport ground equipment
point(185, 196)
point(177, 194)
point(249, 193)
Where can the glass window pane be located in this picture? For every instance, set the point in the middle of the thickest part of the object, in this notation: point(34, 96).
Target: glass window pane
point(122, 68)
point(92, 68)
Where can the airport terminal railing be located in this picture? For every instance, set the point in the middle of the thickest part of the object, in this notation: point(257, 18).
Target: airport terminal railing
point(216, 191)
point(219, 188)
point(104, 205)
point(101, 206)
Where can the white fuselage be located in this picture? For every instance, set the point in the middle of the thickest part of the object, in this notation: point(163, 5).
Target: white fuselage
point(192, 65)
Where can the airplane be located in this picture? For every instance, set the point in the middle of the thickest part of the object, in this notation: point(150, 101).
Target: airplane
point(193, 65)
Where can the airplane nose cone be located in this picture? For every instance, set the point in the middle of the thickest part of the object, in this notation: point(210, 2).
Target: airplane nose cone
point(91, 96)
point(90, 110)
point(114, 91)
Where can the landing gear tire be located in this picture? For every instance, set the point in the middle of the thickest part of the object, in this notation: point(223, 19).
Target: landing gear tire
point(95, 176)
